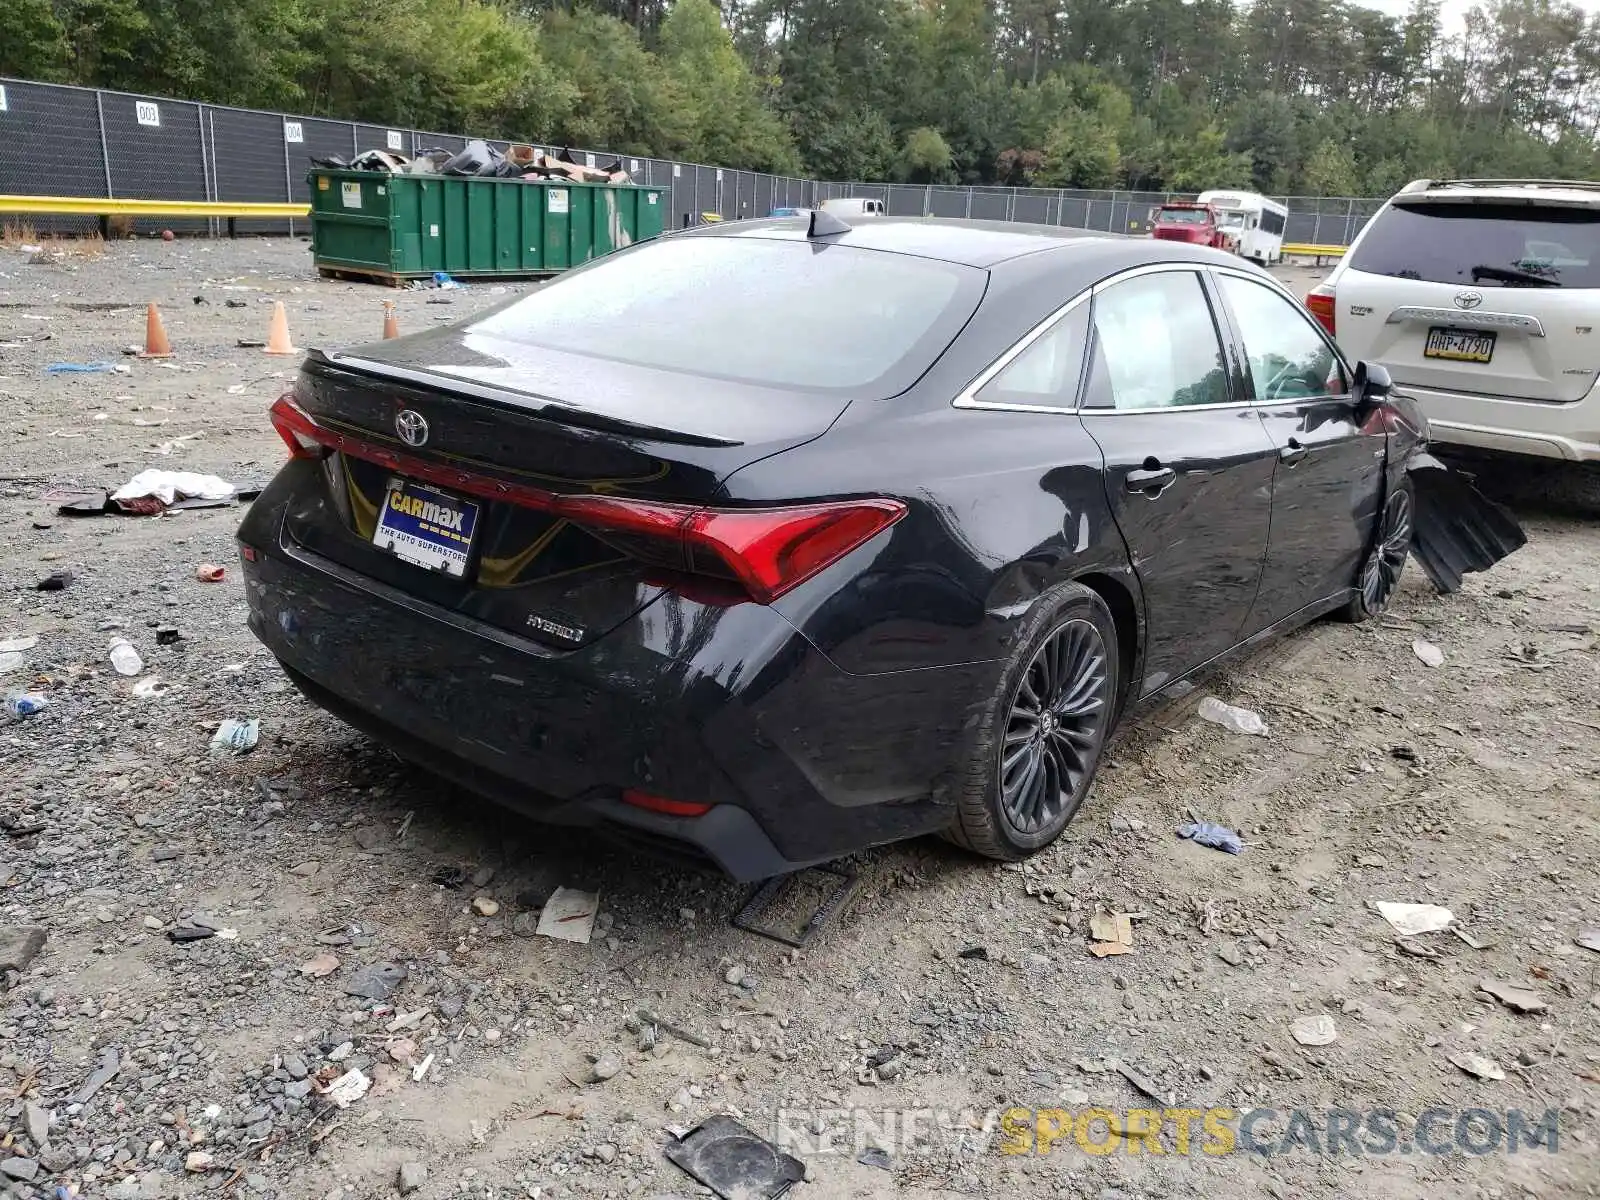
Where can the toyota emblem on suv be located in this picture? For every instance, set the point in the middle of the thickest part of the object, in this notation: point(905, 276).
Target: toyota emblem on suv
point(412, 426)
point(1463, 300)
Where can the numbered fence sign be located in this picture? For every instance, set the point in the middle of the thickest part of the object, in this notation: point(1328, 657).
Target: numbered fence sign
point(397, 140)
point(292, 132)
point(148, 112)
point(2, 97)
point(588, 160)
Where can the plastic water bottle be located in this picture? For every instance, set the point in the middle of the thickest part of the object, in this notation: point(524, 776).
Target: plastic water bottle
point(125, 659)
point(1240, 720)
point(25, 704)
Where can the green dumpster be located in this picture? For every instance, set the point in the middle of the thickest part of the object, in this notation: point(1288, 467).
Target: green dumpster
point(397, 227)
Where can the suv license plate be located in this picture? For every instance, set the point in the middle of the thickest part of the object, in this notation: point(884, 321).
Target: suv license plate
point(1459, 345)
point(425, 527)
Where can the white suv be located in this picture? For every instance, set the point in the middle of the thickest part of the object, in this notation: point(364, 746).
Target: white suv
point(1482, 298)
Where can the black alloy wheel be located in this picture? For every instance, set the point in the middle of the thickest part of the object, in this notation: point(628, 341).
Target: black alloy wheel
point(1055, 728)
point(1386, 561)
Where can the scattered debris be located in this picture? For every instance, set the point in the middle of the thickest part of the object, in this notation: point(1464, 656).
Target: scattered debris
point(412, 1176)
point(1317, 1030)
point(569, 915)
point(348, 1088)
point(486, 907)
point(453, 878)
point(125, 659)
point(1514, 995)
point(1428, 653)
point(981, 953)
point(1476, 943)
point(19, 945)
point(604, 1066)
point(168, 635)
point(421, 1069)
point(1240, 720)
point(209, 573)
point(1408, 920)
point(1416, 949)
point(1112, 934)
point(25, 704)
point(237, 736)
point(1589, 939)
point(677, 1031)
point(18, 645)
point(110, 1064)
point(88, 368)
point(1477, 1065)
point(875, 1156)
point(823, 891)
point(1140, 1081)
point(151, 687)
point(320, 966)
point(1208, 833)
point(198, 1162)
point(734, 1162)
point(154, 490)
point(56, 581)
point(377, 981)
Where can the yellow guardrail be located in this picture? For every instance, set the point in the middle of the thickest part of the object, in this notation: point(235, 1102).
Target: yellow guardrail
point(92, 206)
point(1311, 250)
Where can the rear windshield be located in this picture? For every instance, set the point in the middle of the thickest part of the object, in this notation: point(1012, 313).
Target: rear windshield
point(763, 311)
point(1486, 245)
point(1182, 216)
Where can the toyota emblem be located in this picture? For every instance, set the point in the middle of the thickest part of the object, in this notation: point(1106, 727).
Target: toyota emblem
point(412, 426)
point(1468, 299)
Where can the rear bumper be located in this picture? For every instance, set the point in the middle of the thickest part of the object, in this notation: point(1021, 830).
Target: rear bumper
point(1543, 430)
point(724, 706)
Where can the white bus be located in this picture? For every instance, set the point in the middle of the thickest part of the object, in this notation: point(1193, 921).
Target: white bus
point(1254, 220)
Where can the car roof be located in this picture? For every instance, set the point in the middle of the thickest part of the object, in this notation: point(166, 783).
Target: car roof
point(973, 243)
point(1564, 192)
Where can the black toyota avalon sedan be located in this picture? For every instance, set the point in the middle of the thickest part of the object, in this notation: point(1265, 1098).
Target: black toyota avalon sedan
point(771, 541)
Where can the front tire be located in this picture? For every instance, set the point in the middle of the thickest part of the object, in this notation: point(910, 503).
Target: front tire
point(1032, 758)
point(1386, 561)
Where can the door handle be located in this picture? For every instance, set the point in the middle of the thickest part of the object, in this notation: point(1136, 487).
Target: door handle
point(1152, 481)
point(1292, 453)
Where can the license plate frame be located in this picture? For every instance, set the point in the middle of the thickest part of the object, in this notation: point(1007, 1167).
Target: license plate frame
point(431, 529)
point(1448, 344)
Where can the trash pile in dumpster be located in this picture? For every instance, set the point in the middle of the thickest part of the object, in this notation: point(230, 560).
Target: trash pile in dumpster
point(479, 158)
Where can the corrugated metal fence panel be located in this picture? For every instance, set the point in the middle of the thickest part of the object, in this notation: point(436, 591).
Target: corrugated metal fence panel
point(248, 157)
point(156, 150)
point(50, 146)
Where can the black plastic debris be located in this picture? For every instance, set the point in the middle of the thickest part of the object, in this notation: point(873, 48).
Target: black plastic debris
point(55, 581)
point(168, 635)
point(810, 898)
point(81, 504)
point(733, 1162)
point(979, 952)
point(1458, 530)
point(375, 982)
point(453, 878)
point(875, 1156)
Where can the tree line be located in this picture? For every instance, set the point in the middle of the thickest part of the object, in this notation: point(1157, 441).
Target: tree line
point(1305, 97)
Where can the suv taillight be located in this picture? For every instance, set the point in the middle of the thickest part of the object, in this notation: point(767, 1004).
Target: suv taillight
point(1320, 302)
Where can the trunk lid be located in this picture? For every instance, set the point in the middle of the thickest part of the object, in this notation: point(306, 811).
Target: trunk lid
point(492, 419)
point(1477, 295)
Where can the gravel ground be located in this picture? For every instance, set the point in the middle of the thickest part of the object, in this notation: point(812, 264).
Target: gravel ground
point(135, 1063)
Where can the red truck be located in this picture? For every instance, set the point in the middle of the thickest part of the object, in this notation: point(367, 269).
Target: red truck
point(1196, 224)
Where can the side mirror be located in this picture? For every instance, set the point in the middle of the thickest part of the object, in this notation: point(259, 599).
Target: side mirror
point(1372, 383)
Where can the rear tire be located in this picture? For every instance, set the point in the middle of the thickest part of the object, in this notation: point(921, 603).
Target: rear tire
point(1032, 759)
point(1379, 578)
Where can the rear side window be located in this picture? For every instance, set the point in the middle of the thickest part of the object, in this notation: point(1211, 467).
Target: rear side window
point(1484, 245)
point(773, 313)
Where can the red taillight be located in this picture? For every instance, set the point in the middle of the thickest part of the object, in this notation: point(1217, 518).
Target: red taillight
point(248, 553)
point(660, 804)
point(296, 428)
point(1320, 304)
point(766, 551)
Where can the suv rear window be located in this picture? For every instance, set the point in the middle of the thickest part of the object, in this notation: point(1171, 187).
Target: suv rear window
point(779, 313)
point(1486, 245)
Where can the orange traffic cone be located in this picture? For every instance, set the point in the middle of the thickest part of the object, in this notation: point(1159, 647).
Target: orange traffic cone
point(155, 336)
point(391, 323)
point(278, 332)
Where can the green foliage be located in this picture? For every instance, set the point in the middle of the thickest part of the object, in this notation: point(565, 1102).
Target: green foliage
point(1324, 97)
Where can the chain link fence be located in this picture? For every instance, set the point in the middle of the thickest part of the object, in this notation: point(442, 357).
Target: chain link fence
point(67, 141)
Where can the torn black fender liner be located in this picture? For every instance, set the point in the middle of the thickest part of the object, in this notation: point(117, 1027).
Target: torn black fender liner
point(1458, 529)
